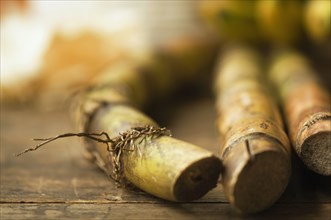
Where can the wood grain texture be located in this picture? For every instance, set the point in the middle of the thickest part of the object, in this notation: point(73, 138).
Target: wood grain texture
point(58, 183)
point(156, 211)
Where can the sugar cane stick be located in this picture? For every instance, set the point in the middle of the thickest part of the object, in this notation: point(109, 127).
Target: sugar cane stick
point(307, 108)
point(163, 166)
point(254, 148)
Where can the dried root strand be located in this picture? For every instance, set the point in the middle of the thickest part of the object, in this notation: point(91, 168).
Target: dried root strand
point(92, 136)
point(115, 146)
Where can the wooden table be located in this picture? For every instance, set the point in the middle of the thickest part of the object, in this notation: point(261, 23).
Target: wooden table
point(56, 182)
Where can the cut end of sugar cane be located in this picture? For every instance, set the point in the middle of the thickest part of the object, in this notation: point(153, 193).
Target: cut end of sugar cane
point(188, 176)
point(254, 180)
point(172, 169)
point(316, 147)
point(197, 179)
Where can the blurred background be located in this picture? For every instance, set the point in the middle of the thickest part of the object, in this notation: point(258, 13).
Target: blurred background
point(50, 49)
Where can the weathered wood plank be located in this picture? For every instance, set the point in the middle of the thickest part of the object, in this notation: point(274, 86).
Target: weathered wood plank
point(157, 211)
point(63, 185)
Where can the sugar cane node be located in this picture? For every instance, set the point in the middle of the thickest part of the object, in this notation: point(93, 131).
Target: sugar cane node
point(313, 119)
point(314, 138)
point(123, 142)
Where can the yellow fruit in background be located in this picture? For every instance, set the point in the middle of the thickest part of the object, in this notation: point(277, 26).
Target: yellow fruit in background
point(317, 20)
point(280, 21)
point(233, 20)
